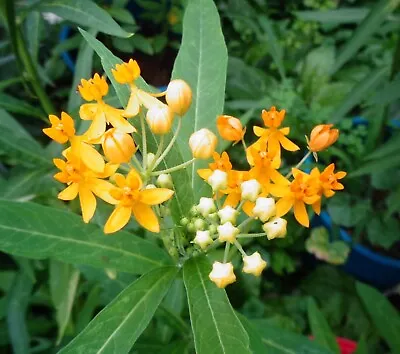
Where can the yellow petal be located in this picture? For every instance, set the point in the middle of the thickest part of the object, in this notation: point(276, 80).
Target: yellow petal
point(283, 206)
point(258, 130)
point(69, 193)
point(118, 219)
point(300, 213)
point(248, 208)
point(91, 158)
point(60, 164)
point(273, 145)
point(56, 135)
point(287, 144)
point(98, 126)
point(102, 189)
point(133, 107)
point(204, 173)
point(120, 180)
point(285, 131)
point(279, 190)
point(155, 196)
point(88, 203)
point(88, 111)
point(133, 180)
point(232, 199)
point(317, 207)
point(114, 117)
point(146, 217)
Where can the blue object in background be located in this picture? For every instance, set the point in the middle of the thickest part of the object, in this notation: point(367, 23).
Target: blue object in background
point(364, 264)
point(66, 57)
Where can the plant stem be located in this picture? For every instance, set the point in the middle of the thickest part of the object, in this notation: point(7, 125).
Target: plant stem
point(144, 141)
point(158, 153)
point(171, 143)
point(261, 234)
point(226, 253)
point(240, 248)
point(299, 164)
point(244, 223)
point(175, 168)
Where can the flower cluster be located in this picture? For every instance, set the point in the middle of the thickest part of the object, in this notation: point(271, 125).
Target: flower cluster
point(104, 162)
point(260, 193)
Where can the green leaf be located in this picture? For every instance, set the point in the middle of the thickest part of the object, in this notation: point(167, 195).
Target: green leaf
point(358, 93)
point(383, 164)
point(18, 299)
point(320, 327)
point(202, 63)
point(389, 93)
point(83, 69)
point(116, 328)
point(64, 280)
point(279, 341)
point(36, 231)
point(384, 316)
point(369, 25)
point(33, 27)
point(84, 13)
point(338, 16)
point(275, 48)
point(388, 148)
point(18, 145)
point(16, 105)
point(183, 197)
point(256, 342)
point(216, 329)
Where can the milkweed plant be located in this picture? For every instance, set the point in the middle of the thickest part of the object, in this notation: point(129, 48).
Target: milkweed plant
point(126, 158)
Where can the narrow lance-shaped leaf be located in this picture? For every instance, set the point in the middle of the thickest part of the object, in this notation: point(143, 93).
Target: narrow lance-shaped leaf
point(116, 328)
point(36, 231)
point(183, 198)
point(85, 13)
point(384, 316)
point(202, 63)
point(320, 327)
point(216, 329)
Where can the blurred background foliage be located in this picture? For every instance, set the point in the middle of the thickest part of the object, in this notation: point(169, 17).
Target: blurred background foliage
point(324, 61)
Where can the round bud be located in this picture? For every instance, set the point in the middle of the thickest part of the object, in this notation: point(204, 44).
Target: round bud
point(160, 118)
point(227, 232)
point(118, 147)
point(222, 274)
point(199, 224)
point(150, 159)
point(202, 239)
point(191, 227)
point(203, 143)
point(178, 96)
point(250, 190)
point(254, 264)
point(206, 206)
point(165, 181)
point(150, 186)
point(213, 229)
point(276, 228)
point(184, 221)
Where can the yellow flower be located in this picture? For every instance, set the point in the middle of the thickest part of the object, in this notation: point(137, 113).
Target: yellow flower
point(61, 130)
point(84, 182)
point(222, 274)
point(118, 147)
point(203, 143)
point(178, 96)
point(133, 199)
point(304, 189)
point(100, 113)
point(274, 137)
point(230, 128)
point(322, 136)
point(126, 73)
point(254, 264)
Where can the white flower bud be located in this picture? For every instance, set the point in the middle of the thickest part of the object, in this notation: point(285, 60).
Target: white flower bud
point(150, 158)
point(206, 206)
point(276, 228)
point(254, 264)
point(150, 186)
point(250, 190)
point(203, 239)
point(222, 274)
point(227, 232)
point(165, 181)
point(227, 213)
point(218, 180)
point(264, 208)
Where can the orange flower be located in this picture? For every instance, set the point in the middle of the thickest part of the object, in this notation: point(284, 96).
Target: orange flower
point(84, 182)
point(133, 199)
point(126, 73)
point(304, 189)
point(221, 162)
point(230, 128)
point(100, 113)
point(234, 192)
point(328, 183)
point(274, 137)
point(61, 130)
point(322, 136)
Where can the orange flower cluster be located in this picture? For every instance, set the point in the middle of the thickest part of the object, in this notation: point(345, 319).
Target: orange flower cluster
point(89, 173)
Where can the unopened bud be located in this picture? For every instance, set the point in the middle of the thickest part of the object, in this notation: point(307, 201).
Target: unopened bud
point(222, 274)
point(118, 147)
point(212, 229)
point(203, 239)
point(184, 221)
point(322, 136)
point(264, 208)
point(150, 186)
point(150, 159)
point(199, 224)
point(203, 143)
point(227, 232)
point(227, 213)
point(254, 264)
point(206, 206)
point(250, 190)
point(276, 228)
point(159, 118)
point(165, 181)
point(218, 180)
point(191, 227)
point(179, 96)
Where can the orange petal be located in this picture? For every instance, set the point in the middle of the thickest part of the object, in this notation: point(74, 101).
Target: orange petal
point(91, 158)
point(88, 203)
point(248, 208)
point(56, 135)
point(133, 180)
point(300, 213)
point(60, 164)
point(273, 145)
point(155, 196)
point(317, 207)
point(285, 131)
point(258, 130)
point(279, 190)
point(283, 206)
point(70, 192)
point(232, 199)
point(118, 219)
point(146, 217)
point(340, 174)
point(54, 120)
point(287, 144)
point(120, 180)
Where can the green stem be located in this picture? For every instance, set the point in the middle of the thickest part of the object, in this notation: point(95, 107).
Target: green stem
point(261, 234)
point(226, 253)
point(175, 168)
point(144, 141)
point(171, 143)
point(244, 223)
point(240, 248)
point(158, 153)
point(299, 164)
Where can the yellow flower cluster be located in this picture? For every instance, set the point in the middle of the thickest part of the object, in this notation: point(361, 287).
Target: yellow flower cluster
point(89, 173)
point(261, 192)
